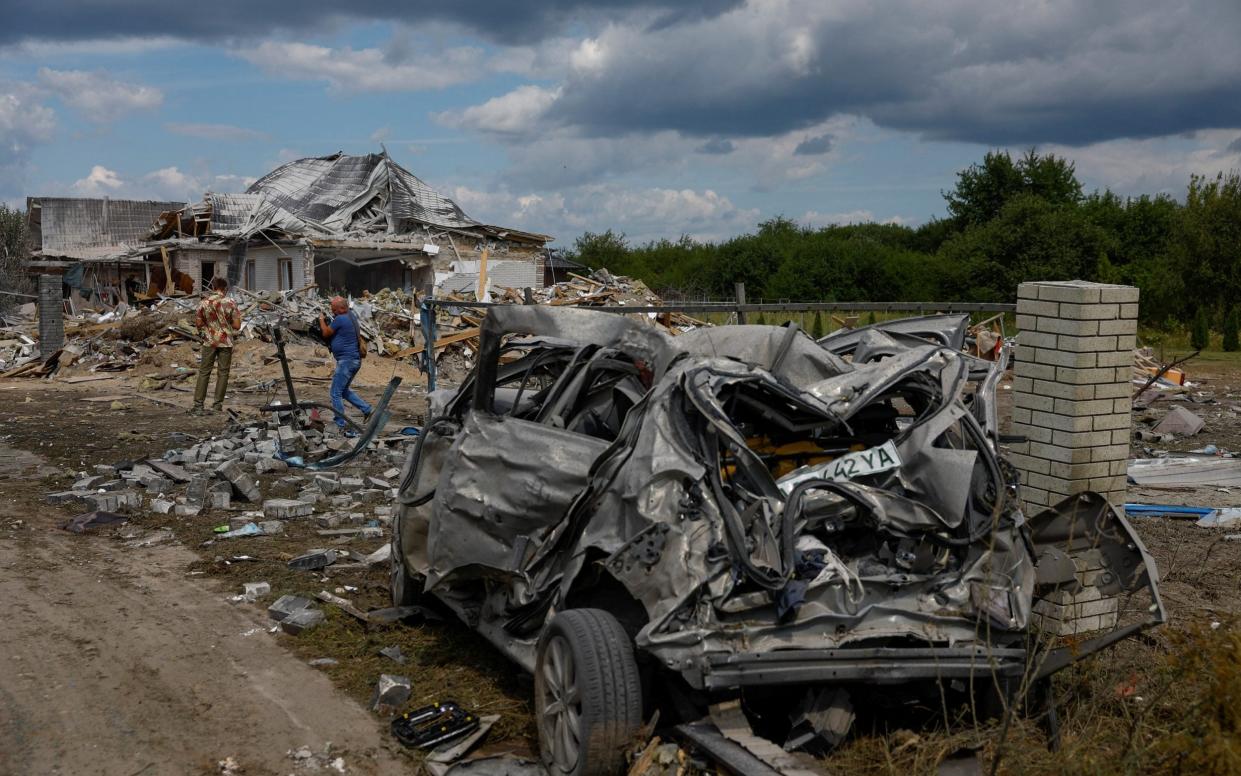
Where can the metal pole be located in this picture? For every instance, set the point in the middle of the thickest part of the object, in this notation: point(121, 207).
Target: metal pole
point(739, 288)
point(427, 315)
point(278, 338)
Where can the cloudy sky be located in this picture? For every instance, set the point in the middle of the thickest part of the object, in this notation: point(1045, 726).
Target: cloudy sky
point(652, 117)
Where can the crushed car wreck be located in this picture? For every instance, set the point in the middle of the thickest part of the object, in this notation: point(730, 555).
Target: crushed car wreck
point(738, 509)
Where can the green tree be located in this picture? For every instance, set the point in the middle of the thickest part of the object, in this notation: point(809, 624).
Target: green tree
point(607, 250)
point(984, 189)
point(1232, 330)
point(1030, 239)
point(1206, 247)
point(14, 252)
point(1200, 332)
point(816, 327)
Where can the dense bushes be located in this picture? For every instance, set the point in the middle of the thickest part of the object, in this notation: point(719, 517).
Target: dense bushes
point(1009, 221)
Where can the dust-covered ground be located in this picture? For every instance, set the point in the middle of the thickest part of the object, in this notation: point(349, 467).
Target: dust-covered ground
point(129, 659)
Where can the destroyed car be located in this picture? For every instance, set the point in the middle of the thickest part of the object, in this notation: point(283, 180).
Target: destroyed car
point(646, 521)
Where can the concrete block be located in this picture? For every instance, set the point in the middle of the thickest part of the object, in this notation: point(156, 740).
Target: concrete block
point(1032, 433)
point(1119, 294)
point(1126, 342)
point(270, 466)
point(189, 509)
point(1060, 453)
point(1034, 402)
point(1028, 463)
point(271, 527)
point(1085, 344)
point(252, 591)
point(1081, 439)
point(1119, 437)
point(301, 620)
point(1038, 339)
point(351, 484)
point(1035, 307)
point(1072, 291)
point(1119, 326)
point(1071, 376)
point(1027, 291)
point(114, 501)
point(1021, 415)
point(1058, 390)
point(286, 509)
point(1069, 327)
point(1110, 453)
point(1084, 407)
point(1089, 312)
point(89, 483)
point(1128, 311)
point(1080, 471)
point(1061, 422)
point(285, 605)
point(66, 496)
point(1112, 390)
point(1034, 370)
point(242, 481)
point(1061, 358)
point(1123, 405)
point(1025, 321)
point(1022, 384)
point(161, 506)
point(1111, 422)
point(326, 485)
point(217, 499)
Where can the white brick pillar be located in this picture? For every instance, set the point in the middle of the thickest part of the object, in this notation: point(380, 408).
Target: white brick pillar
point(1072, 389)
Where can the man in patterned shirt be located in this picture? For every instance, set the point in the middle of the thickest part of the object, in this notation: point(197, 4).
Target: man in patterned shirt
point(217, 320)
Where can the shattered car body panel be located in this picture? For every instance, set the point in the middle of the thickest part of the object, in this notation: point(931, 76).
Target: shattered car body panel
point(704, 475)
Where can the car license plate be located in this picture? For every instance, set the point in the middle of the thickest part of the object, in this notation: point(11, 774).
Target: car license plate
point(860, 464)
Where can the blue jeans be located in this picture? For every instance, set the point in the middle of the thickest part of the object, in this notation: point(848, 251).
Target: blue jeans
point(341, 392)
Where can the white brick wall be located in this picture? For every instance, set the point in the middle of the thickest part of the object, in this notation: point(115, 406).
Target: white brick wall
point(1071, 389)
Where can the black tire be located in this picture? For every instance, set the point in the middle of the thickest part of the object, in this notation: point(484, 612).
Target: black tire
point(595, 699)
point(406, 589)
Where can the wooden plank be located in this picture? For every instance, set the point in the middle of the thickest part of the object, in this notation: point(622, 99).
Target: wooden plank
point(440, 343)
point(88, 378)
point(93, 399)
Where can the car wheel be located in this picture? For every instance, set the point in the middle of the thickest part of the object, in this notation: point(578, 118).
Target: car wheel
point(587, 694)
point(406, 590)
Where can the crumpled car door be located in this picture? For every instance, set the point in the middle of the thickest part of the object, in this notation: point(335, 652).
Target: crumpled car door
point(1093, 577)
point(505, 484)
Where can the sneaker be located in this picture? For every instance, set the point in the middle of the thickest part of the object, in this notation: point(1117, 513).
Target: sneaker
point(217, 408)
point(197, 409)
point(349, 434)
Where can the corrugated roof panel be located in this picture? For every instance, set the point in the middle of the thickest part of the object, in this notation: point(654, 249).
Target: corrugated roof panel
point(90, 228)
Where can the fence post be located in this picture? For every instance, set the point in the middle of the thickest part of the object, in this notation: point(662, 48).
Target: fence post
point(51, 315)
point(740, 290)
point(528, 295)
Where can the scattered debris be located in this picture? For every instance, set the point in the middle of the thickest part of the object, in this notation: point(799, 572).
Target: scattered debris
point(83, 523)
point(1181, 422)
point(313, 560)
point(1162, 472)
point(822, 722)
point(393, 653)
point(391, 692)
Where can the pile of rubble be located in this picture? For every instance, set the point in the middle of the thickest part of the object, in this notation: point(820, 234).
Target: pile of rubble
point(115, 340)
point(242, 472)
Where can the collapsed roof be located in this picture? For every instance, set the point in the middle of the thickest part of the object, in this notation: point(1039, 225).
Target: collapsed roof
point(89, 228)
point(332, 197)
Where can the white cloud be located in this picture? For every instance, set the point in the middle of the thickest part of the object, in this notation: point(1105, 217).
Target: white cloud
point(98, 96)
point(101, 181)
point(214, 131)
point(813, 218)
point(1155, 165)
point(120, 46)
point(368, 69)
point(24, 124)
point(519, 112)
point(642, 214)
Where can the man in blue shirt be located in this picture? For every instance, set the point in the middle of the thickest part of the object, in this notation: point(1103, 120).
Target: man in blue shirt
point(343, 339)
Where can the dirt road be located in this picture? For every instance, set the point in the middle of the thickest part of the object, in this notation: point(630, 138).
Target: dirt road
point(118, 661)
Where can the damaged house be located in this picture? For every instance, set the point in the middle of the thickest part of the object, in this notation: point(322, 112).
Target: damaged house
point(345, 223)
